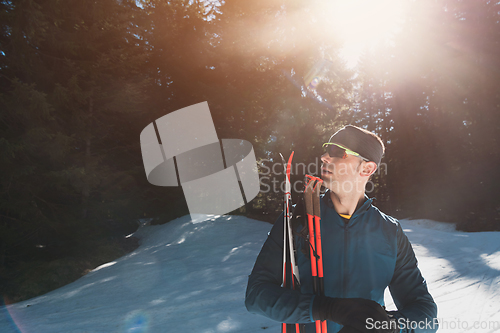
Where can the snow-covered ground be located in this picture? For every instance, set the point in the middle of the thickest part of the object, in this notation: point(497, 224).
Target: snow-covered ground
point(191, 277)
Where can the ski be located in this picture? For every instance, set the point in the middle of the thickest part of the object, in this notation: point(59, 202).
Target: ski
point(291, 277)
point(313, 212)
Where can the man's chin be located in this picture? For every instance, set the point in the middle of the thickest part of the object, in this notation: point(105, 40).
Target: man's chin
point(327, 178)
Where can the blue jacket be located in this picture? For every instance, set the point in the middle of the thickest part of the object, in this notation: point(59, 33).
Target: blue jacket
point(360, 259)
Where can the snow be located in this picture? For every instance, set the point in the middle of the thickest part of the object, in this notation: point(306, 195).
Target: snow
point(190, 276)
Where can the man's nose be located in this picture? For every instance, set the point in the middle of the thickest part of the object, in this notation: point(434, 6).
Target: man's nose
point(325, 158)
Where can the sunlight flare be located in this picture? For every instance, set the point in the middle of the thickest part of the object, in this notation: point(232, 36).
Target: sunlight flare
point(361, 24)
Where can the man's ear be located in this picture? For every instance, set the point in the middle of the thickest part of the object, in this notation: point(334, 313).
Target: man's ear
point(368, 169)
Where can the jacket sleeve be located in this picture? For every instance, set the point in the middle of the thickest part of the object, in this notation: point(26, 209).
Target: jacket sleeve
point(264, 294)
point(417, 311)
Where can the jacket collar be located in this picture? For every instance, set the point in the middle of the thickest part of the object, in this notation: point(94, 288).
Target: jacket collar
point(362, 208)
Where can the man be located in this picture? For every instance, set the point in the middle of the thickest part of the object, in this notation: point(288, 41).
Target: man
point(364, 251)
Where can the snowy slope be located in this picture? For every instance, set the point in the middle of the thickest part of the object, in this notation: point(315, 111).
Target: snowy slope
point(191, 277)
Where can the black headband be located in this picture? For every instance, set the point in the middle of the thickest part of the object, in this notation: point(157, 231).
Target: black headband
point(358, 140)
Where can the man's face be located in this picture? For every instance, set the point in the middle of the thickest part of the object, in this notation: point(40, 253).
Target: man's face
point(342, 175)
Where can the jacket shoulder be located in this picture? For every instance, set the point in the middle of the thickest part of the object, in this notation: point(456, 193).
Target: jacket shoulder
point(387, 220)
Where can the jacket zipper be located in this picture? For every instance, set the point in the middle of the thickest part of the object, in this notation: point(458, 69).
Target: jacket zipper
point(344, 278)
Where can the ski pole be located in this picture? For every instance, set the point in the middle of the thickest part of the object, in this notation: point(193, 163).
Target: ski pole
point(319, 249)
point(312, 210)
point(310, 224)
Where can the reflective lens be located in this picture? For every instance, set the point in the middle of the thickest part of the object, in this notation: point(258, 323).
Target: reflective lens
point(335, 151)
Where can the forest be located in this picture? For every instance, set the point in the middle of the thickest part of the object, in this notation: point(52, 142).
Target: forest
point(79, 81)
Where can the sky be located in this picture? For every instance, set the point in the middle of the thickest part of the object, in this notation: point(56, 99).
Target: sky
point(190, 275)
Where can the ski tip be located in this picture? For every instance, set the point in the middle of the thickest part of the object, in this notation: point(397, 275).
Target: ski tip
point(290, 158)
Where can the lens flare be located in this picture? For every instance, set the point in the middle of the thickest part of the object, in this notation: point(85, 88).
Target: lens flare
point(315, 74)
point(314, 83)
point(9, 314)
